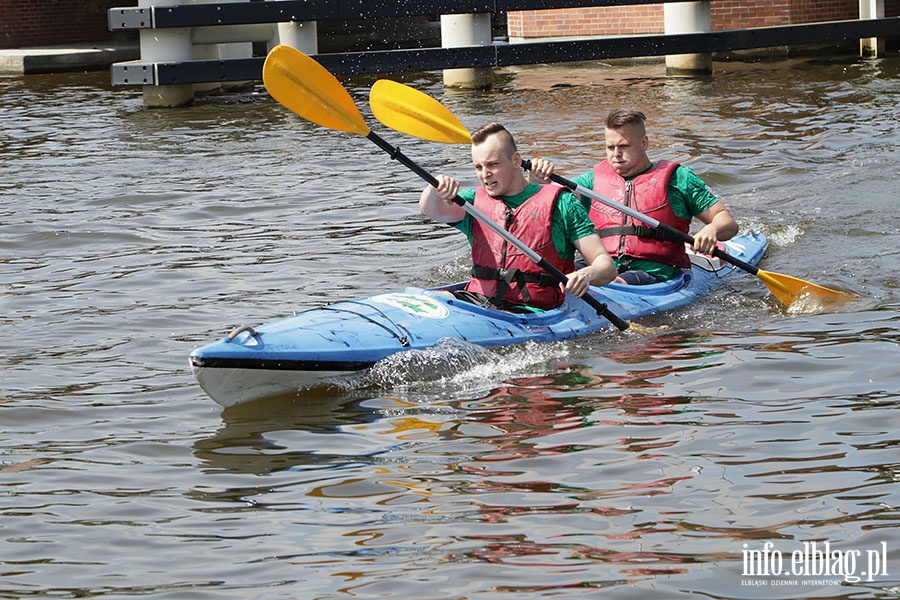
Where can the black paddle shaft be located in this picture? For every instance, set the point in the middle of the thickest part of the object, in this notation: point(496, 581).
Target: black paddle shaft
point(670, 232)
point(397, 155)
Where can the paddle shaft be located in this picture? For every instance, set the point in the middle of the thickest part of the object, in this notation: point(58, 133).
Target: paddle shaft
point(476, 213)
point(671, 232)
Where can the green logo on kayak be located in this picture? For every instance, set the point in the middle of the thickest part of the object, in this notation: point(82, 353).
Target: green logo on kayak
point(421, 306)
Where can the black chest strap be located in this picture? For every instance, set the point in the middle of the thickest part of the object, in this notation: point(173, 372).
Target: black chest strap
point(508, 276)
point(639, 230)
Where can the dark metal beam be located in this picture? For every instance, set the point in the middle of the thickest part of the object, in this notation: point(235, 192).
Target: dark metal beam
point(691, 43)
point(281, 11)
point(501, 55)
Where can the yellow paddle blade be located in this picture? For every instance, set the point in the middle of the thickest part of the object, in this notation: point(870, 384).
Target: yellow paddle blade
point(789, 289)
point(308, 89)
point(415, 113)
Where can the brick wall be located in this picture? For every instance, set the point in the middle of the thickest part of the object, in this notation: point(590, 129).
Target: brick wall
point(597, 20)
point(27, 23)
point(648, 18)
point(743, 14)
point(831, 10)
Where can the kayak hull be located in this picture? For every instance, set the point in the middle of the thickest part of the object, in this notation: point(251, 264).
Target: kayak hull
point(333, 344)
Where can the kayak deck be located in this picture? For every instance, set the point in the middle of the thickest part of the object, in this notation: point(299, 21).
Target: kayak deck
point(332, 343)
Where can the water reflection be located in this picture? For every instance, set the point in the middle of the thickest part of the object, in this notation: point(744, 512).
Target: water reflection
point(248, 440)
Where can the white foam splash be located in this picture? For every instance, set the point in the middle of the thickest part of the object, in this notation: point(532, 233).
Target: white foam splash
point(456, 362)
point(786, 235)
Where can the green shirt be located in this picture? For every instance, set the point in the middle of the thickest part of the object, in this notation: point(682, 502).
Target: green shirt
point(570, 218)
point(688, 196)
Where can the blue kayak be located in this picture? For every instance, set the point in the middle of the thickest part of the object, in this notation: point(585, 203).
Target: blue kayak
point(327, 344)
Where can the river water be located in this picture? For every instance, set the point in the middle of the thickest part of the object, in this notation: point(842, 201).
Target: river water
point(731, 450)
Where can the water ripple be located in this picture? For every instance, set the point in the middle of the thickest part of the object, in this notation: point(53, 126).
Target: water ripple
point(632, 465)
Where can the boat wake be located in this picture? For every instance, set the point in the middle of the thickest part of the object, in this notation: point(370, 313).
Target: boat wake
point(456, 362)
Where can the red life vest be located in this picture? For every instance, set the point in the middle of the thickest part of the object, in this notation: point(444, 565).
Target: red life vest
point(648, 194)
point(502, 272)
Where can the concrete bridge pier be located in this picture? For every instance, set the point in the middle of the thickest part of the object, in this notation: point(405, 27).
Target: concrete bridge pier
point(302, 35)
point(216, 51)
point(688, 17)
point(166, 45)
point(183, 44)
point(467, 30)
point(871, 47)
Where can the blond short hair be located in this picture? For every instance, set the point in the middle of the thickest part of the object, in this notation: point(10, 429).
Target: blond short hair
point(483, 133)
